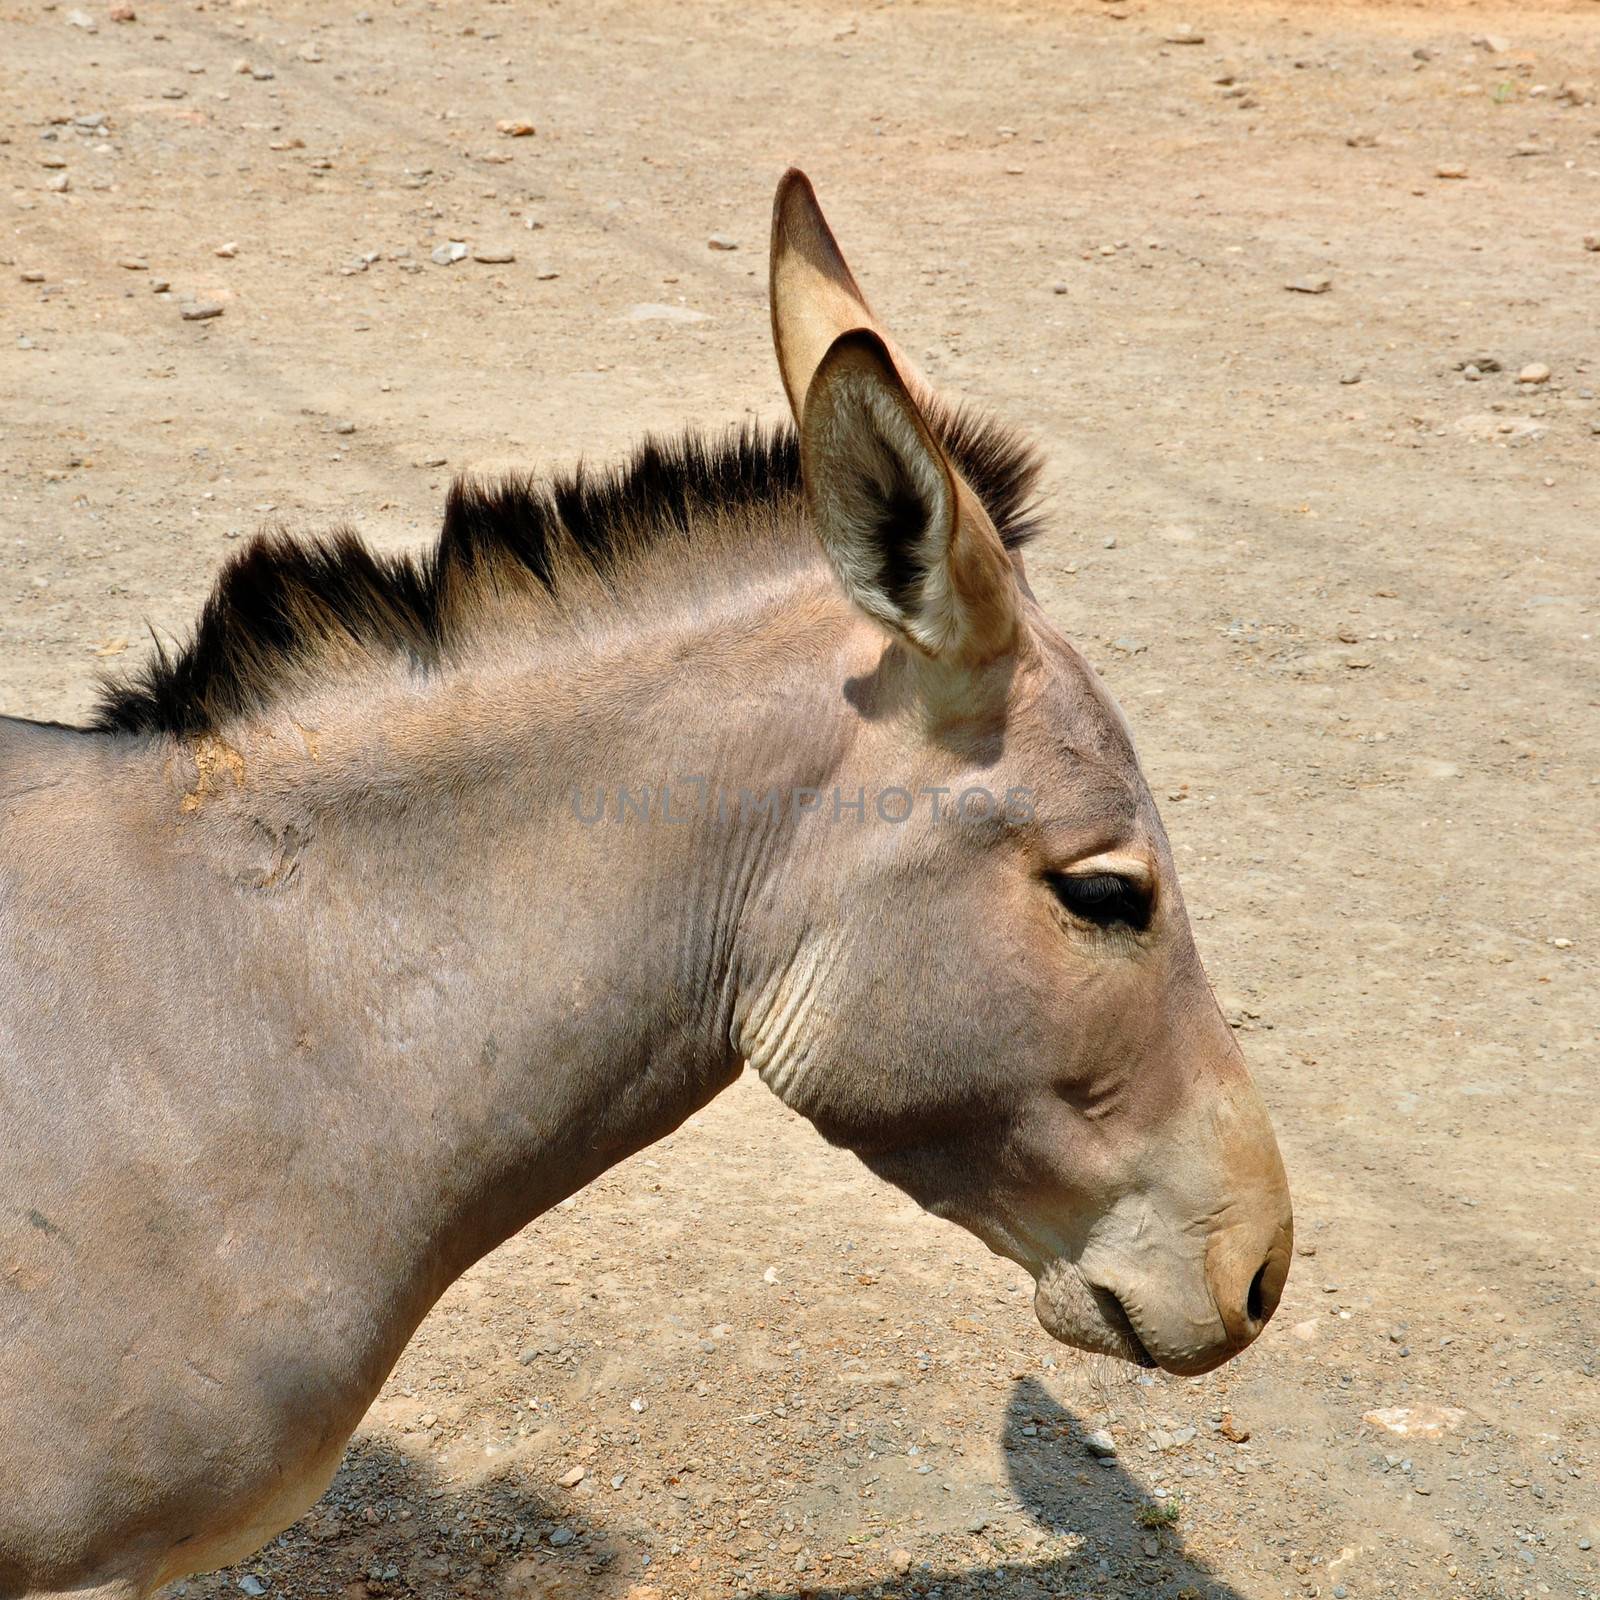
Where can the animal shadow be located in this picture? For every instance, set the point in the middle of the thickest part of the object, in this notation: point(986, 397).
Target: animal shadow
point(1125, 1553)
point(389, 1526)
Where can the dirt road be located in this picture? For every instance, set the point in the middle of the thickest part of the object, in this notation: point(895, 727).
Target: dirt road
point(1337, 550)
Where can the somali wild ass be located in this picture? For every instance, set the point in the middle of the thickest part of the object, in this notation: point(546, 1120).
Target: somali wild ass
point(412, 894)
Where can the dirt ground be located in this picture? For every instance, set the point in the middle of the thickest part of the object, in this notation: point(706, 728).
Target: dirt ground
point(1344, 586)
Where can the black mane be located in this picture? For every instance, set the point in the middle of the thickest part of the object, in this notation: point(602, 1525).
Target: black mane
point(283, 604)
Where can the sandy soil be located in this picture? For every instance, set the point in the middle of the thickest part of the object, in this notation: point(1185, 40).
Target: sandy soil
point(1349, 606)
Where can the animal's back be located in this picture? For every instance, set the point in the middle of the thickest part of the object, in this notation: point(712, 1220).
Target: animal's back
point(115, 1277)
point(191, 1326)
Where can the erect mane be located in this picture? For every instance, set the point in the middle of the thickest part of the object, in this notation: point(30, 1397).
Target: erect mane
point(284, 609)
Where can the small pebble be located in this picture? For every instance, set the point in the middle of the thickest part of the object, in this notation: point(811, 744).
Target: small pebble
point(226, 251)
point(1534, 372)
point(649, 311)
point(1450, 169)
point(571, 1479)
point(59, 184)
point(493, 255)
point(448, 254)
point(514, 128)
point(561, 1537)
point(1315, 284)
point(200, 311)
point(1109, 542)
point(133, 264)
point(1058, 287)
point(32, 277)
point(1101, 1444)
point(722, 241)
point(1591, 241)
point(1186, 33)
point(160, 285)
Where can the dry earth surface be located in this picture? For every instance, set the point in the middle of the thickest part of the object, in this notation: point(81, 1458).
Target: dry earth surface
point(1337, 561)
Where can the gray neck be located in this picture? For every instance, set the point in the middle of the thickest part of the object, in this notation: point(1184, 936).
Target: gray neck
point(489, 906)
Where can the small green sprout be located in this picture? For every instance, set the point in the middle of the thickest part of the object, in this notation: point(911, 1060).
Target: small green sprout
point(1161, 1513)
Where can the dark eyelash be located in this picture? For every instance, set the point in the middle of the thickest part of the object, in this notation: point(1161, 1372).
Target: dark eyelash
point(1103, 898)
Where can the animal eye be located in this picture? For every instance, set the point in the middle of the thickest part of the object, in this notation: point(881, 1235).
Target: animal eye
point(1103, 898)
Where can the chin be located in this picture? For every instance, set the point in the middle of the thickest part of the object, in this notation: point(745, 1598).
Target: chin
point(1088, 1319)
point(1094, 1320)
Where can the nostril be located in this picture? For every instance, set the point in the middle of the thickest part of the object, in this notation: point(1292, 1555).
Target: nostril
point(1255, 1306)
point(1245, 1280)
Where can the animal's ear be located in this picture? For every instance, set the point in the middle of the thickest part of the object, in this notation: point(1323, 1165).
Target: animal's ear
point(814, 295)
point(910, 543)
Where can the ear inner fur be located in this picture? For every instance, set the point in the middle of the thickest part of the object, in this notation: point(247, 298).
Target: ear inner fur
point(910, 543)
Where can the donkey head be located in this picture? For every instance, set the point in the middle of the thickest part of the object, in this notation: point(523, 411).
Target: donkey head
point(998, 1002)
